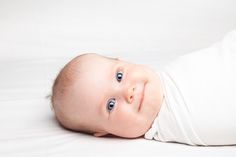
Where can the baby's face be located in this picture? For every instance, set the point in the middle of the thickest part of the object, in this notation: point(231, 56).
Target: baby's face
point(117, 97)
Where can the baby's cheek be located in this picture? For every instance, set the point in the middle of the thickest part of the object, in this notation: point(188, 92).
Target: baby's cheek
point(124, 114)
point(150, 97)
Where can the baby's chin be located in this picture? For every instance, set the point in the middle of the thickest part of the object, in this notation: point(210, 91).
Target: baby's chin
point(131, 134)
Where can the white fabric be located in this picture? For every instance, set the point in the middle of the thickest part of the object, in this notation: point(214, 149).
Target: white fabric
point(200, 101)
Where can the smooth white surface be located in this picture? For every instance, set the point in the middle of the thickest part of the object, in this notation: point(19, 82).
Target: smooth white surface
point(38, 37)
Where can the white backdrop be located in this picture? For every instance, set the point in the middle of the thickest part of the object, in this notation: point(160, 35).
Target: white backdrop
point(30, 28)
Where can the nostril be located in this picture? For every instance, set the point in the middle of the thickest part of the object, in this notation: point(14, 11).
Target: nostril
point(131, 98)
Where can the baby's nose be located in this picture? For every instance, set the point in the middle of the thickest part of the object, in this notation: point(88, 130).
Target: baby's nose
point(130, 94)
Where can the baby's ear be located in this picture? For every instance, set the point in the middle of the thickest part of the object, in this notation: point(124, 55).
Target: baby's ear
point(99, 134)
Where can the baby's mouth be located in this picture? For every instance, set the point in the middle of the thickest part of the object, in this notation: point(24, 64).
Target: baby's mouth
point(141, 96)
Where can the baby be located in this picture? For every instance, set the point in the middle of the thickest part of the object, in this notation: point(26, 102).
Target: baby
point(192, 100)
point(102, 95)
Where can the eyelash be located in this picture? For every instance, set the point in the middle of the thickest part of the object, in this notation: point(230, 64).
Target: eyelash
point(112, 102)
point(118, 75)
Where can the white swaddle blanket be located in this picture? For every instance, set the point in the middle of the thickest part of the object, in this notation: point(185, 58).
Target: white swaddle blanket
point(199, 107)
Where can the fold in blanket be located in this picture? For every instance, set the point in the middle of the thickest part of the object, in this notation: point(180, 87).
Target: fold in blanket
point(199, 106)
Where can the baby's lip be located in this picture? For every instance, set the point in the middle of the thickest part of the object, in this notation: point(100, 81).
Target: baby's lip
point(141, 96)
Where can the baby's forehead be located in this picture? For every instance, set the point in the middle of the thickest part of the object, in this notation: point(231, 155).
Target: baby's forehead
point(94, 74)
point(92, 68)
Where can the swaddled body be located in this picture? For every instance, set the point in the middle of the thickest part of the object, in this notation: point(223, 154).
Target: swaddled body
point(199, 107)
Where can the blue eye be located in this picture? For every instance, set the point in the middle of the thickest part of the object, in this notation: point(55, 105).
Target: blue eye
point(110, 104)
point(119, 76)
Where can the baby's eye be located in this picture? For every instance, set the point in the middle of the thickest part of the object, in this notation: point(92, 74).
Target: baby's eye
point(110, 104)
point(119, 76)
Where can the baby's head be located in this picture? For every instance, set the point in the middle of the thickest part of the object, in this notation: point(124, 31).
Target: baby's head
point(101, 95)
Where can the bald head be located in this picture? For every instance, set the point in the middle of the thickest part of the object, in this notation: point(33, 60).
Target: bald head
point(62, 91)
